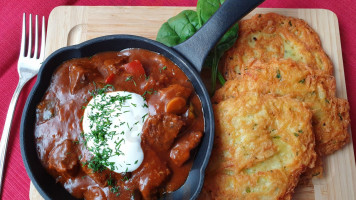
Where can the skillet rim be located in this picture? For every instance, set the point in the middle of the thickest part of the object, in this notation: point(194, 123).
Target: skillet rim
point(81, 50)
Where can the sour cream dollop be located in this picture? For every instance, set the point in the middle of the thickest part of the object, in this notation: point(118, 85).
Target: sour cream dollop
point(112, 125)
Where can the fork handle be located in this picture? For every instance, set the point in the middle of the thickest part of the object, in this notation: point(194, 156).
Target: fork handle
point(7, 126)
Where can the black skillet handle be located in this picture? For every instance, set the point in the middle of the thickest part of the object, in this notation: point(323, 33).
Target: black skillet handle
point(196, 48)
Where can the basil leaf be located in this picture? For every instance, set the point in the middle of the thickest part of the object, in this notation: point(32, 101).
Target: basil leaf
point(178, 28)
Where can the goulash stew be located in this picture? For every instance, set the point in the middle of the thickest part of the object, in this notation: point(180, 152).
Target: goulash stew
point(119, 125)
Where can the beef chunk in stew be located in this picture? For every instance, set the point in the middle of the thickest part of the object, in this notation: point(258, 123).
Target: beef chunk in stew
point(172, 99)
point(160, 131)
point(152, 175)
point(64, 159)
point(111, 66)
point(94, 193)
point(180, 152)
point(46, 110)
point(79, 77)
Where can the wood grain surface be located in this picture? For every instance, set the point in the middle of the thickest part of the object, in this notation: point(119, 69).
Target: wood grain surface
point(69, 25)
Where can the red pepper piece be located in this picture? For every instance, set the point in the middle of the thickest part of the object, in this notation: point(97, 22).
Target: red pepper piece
point(134, 68)
point(110, 79)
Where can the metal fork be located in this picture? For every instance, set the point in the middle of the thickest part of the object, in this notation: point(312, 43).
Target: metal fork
point(27, 68)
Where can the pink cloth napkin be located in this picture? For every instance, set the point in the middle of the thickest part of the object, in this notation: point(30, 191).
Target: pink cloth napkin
point(16, 182)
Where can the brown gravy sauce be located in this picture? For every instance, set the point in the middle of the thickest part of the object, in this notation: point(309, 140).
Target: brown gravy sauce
point(173, 129)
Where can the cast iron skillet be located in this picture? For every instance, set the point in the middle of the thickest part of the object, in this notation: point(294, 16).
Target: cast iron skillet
point(189, 56)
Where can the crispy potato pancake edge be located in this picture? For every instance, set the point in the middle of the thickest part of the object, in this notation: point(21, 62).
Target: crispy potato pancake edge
point(281, 77)
point(271, 35)
point(264, 139)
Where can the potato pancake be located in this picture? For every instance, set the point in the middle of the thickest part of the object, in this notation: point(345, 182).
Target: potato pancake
point(261, 147)
point(285, 77)
point(268, 36)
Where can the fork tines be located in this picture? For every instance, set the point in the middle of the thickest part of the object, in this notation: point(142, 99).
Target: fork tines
point(29, 43)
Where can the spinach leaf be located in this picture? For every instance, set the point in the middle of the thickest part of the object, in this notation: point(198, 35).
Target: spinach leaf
point(206, 9)
point(229, 39)
point(217, 52)
point(182, 26)
point(178, 28)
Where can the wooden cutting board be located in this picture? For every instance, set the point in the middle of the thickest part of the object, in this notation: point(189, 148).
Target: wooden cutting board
point(69, 25)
